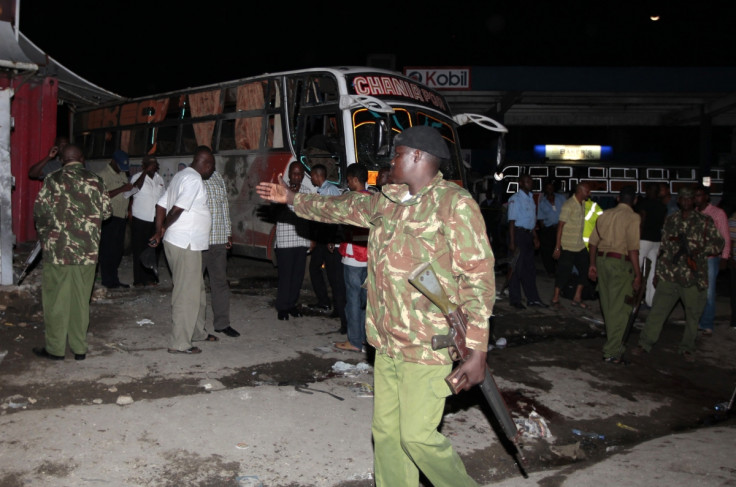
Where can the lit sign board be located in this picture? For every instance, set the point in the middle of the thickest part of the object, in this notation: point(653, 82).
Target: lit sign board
point(573, 152)
point(441, 78)
point(392, 87)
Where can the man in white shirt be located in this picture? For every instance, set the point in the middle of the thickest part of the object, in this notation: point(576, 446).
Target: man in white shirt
point(148, 187)
point(183, 223)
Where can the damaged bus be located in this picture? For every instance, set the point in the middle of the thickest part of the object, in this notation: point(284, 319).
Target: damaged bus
point(256, 126)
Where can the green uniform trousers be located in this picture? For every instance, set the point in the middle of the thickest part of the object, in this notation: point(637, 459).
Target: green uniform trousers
point(665, 297)
point(615, 278)
point(409, 400)
point(65, 292)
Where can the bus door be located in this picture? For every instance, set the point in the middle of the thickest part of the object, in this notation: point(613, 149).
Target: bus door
point(320, 140)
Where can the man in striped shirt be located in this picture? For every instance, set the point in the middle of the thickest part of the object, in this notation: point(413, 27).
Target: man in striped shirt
point(214, 259)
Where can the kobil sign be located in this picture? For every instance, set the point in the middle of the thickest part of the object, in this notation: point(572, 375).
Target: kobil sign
point(441, 78)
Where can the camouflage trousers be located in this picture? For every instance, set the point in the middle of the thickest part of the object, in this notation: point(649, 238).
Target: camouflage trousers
point(665, 297)
point(409, 400)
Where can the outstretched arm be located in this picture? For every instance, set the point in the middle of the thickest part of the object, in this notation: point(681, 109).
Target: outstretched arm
point(276, 192)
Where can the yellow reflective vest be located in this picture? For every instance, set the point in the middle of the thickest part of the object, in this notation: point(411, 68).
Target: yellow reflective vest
point(592, 212)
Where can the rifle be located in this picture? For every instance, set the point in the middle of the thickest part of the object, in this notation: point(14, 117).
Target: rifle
point(683, 251)
point(636, 299)
point(425, 280)
point(30, 260)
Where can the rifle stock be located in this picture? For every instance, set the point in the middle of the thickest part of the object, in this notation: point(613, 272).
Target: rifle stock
point(425, 280)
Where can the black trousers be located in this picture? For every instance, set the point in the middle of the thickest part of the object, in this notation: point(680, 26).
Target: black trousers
point(140, 233)
point(112, 243)
point(292, 262)
point(547, 241)
point(580, 260)
point(525, 273)
point(333, 268)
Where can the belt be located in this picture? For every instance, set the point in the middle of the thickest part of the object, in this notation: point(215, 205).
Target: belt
point(613, 255)
point(524, 229)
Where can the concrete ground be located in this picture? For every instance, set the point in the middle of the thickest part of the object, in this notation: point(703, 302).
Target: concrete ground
point(280, 406)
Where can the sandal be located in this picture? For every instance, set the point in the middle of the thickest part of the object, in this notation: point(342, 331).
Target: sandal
point(347, 346)
point(579, 304)
point(188, 351)
point(211, 338)
point(555, 305)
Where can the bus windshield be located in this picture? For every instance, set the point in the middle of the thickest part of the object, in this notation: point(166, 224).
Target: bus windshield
point(367, 126)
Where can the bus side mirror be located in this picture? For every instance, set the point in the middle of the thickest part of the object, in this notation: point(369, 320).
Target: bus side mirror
point(381, 139)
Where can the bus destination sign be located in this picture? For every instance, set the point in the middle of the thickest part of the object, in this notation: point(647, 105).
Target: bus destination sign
point(389, 86)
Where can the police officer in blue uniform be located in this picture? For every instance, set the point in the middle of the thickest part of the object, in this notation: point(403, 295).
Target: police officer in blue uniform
point(522, 216)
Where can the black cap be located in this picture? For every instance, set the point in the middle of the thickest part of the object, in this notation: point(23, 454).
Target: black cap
point(425, 139)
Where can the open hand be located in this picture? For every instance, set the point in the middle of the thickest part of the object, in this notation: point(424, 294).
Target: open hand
point(276, 192)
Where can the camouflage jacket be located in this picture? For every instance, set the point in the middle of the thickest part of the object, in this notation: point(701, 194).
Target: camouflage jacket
point(69, 211)
point(442, 223)
point(685, 262)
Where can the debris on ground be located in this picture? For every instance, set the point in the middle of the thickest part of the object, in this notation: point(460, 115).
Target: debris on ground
point(211, 385)
point(623, 426)
point(124, 400)
point(341, 367)
point(586, 434)
point(535, 426)
point(572, 451)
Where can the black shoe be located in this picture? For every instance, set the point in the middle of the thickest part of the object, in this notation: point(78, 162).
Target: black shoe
point(229, 332)
point(283, 315)
point(41, 352)
point(119, 285)
point(80, 356)
point(319, 307)
point(295, 312)
point(518, 305)
point(537, 304)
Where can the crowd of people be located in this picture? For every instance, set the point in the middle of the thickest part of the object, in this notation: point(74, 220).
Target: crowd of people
point(684, 240)
point(367, 241)
point(82, 217)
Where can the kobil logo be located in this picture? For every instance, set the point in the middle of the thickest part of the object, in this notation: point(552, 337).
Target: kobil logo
point(441, 78)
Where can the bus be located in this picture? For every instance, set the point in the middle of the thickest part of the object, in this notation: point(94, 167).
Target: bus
point(257, 125)
point(605, 179)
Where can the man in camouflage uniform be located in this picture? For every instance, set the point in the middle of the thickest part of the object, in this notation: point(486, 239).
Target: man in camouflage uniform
point(417, 218)
point(69, 211)
point(688, 238)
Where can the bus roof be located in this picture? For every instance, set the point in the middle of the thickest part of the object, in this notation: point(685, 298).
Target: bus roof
point(337, 71)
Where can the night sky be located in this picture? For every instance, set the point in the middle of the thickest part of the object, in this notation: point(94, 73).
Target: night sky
point(137, 48)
